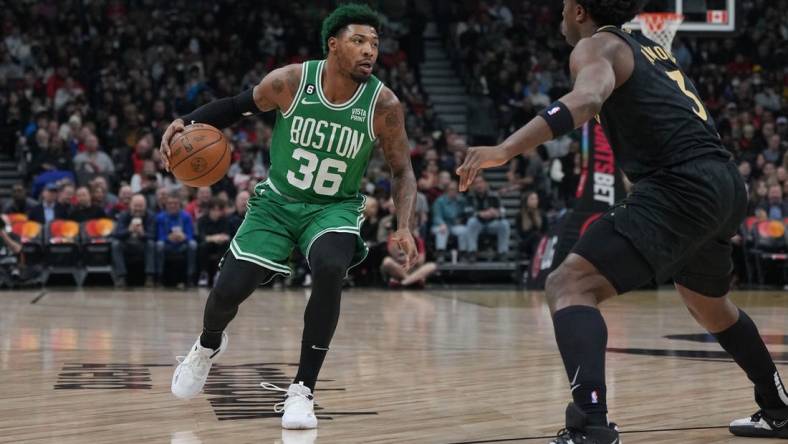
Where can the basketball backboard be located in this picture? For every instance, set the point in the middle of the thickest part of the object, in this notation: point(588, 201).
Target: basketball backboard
point(699, 15)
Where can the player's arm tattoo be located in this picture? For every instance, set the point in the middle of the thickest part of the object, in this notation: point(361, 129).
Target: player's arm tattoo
point(278, 89)
point(390, 129)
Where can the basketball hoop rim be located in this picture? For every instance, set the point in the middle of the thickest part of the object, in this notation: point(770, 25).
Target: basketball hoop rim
point(655, 21)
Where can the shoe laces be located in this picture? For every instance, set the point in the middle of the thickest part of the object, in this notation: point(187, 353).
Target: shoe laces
point(292, 396)
point(756, 417)
point(570, 435)
point(564, 435)
point(196, 360)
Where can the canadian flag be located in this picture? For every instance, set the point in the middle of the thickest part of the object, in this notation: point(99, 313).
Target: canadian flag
point(717, 16)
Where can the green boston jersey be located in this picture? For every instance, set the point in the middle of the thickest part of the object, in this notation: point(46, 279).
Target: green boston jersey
point(320, 150)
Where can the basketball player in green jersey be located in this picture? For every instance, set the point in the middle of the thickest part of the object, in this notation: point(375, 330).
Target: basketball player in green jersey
point(329, 115)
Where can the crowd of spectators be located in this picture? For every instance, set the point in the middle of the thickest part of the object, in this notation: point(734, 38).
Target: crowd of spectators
point(83, 109)
point(87, 90)
point(512, 58)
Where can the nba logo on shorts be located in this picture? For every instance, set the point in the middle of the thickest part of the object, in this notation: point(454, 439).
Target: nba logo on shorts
point(594, 398)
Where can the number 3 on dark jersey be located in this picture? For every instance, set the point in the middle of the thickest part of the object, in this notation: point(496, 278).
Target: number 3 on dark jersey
point(678, 77)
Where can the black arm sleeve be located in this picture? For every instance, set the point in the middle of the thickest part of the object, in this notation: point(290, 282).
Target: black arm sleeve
point(224, 112)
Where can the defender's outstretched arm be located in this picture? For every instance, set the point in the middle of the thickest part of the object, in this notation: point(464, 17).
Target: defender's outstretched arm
point(594, 80)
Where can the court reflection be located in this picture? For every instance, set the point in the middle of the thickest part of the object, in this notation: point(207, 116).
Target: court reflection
point(298, 437)
point(187, 437)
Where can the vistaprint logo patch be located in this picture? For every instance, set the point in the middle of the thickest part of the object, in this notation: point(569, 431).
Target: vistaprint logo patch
point(358, 114)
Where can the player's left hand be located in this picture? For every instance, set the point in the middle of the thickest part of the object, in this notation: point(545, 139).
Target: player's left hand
point(477, 158)
point(404, 240)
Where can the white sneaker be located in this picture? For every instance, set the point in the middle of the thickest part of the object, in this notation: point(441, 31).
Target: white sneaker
point(299, 436)
point(298, 407)
point(191, 373)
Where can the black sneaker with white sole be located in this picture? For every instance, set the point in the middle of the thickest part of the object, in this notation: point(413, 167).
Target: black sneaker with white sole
point(764, 423)
point(578, 431)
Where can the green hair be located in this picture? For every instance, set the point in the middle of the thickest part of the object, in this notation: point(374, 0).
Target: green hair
point(348, 14)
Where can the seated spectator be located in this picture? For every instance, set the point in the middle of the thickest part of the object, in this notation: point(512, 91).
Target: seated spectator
point(19, 202)
point(10, 249)
point(422, 214)
point(532, 223)
point(447, 218)
point(66, 195)
point(51, 154)
point(102, 197)
point(198, 207)
point(367, 271)
point(388, 223)
point(239, 211)
point(745, 170)
point(135, 236)
point(758, 193)
point(369, 228)
point(124, 200)
point(393, 266)
point(526, 173)
point(92, 162)
point(161, 197)
point(175, 235)
point(772, 153)
point(776, 207)
point(246, 172)
point(486, 215)
point(213, 240)
point(537, 98)
point(148, 189)
point(148, 176)
point(49, 209)
point(84, 209)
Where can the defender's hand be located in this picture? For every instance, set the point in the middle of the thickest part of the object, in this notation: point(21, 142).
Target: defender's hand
point(404, 240)
point(175, 127)
point(477, 158)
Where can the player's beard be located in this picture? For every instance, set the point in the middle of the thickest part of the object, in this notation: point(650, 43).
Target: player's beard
point(359, 78)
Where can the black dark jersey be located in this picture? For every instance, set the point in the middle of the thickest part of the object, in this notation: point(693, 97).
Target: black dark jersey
point(656, 118)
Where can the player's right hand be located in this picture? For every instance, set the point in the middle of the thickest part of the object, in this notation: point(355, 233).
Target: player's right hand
point(175, 127)
point(478, 158)
point(403, 238)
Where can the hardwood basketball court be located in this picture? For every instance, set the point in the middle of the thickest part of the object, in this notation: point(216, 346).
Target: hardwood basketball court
point(441, 366)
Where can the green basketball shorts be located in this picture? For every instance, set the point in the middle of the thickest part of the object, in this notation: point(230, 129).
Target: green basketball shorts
point(275, 224)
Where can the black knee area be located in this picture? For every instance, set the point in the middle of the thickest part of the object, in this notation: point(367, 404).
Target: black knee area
point(221, 299)
point(326, 267)
point(237, 280)
point(331, 255)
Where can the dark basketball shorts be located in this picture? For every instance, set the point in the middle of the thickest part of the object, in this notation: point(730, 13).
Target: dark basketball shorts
point(675, 224)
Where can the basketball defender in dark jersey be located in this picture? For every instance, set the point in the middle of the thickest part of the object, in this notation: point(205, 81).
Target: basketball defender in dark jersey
point(685, 205)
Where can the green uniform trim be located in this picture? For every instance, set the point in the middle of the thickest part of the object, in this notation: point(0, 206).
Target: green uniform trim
point(370, 123)
point(341, 106)
point(259, 260)
point(298, 95)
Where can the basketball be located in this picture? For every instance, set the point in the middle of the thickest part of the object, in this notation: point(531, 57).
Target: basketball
point(200, 155)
